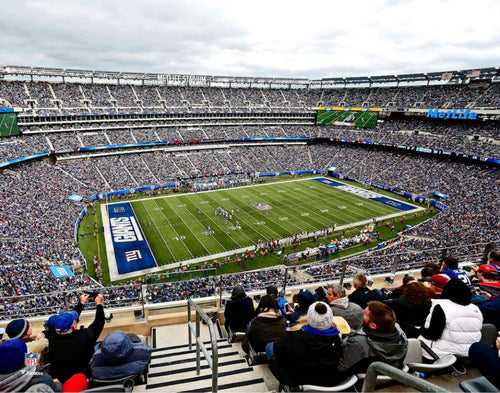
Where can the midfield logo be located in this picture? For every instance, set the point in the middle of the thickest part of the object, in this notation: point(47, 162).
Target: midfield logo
point(262, 206)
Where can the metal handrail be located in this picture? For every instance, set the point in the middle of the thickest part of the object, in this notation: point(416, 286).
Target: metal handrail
point(407, 379)
point(213, 360)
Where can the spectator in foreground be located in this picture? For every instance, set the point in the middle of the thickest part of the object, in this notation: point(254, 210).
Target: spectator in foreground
point(362, 295)
point(438, 282)
point(272, 290)
point(305, 298)
point(70, 349)
point(451, 269)
point(118, 357)
point(21, 328)
point(342, 307)
point(412, 308)
point(239, 311)
point(487, 360)
point(309, 355)
point(488, 278)
point(453, 323)
point(14, 376)
point(491, 311)
point(266, 327)
point(380, 339)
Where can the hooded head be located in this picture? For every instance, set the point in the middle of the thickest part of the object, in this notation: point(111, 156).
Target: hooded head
point(305, 298)
point(116, 346)
point(238, 292)
point(457, 291)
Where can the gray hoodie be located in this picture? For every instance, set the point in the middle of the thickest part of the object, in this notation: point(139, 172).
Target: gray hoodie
point(350, 311)
point(365, 346)
point(21, 380)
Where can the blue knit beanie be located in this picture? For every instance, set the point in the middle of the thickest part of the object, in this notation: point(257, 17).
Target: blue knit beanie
point(17, 328)
point(12, 354)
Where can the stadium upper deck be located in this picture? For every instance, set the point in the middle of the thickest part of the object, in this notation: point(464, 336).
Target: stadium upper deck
point(51, 92)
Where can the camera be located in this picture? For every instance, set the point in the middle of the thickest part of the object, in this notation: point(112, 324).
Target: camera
point(92, 295)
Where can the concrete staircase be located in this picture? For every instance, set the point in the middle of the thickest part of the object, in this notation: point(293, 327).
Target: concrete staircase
point(173, 365)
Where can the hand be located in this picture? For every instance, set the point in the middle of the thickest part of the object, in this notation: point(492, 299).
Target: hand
point(84, 298)
point(40, 336)
point(99, 299)
point(498, 343)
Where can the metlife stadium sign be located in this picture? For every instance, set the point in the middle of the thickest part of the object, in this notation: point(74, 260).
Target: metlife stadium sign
point(452, 114)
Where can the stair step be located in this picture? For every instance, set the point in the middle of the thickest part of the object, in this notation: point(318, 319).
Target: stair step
point(221, 340)
point(200, 381)
point(251, 385)
point(203, 366)
point(184, 350)
point(173, 362)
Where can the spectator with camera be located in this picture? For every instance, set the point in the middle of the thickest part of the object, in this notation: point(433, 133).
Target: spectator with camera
point(70, 349)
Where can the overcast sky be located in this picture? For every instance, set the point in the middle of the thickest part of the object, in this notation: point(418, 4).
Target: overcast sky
point(268, 38)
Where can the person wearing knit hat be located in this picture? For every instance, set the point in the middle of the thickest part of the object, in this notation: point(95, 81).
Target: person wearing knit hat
point(21, 328)
point(319, 319)
point(14, 376)
point(309, 355)
point(18, 328)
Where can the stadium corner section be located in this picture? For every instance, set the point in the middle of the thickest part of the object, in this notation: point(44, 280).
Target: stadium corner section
point(126, 247)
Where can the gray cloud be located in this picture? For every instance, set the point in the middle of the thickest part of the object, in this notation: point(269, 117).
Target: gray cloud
point(257, 39)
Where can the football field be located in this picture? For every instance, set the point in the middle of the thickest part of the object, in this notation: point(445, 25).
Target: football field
point(145, 235)
point(359, 119)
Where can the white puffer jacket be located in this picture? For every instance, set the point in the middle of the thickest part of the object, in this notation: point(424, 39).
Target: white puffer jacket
point(462, 329)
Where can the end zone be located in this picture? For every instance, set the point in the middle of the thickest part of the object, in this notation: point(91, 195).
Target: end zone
point(126, 247)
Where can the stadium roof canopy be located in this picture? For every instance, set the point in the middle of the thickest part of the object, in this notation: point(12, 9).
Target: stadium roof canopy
point(462, 76)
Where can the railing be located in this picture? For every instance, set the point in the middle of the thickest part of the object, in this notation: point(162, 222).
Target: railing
point(407, 379)
point(213, 361)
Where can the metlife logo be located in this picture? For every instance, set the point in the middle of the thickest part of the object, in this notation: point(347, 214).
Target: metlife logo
point(452, 114)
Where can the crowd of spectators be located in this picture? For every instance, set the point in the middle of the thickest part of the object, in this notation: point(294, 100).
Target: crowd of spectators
point(37, 219)
point(49, 98)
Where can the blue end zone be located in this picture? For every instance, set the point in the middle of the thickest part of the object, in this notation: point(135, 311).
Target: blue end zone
point(372, 196)
point(328, 182)
point(132, 252)
point(393, 203)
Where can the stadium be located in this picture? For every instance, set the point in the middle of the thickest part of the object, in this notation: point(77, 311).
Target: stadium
point(159, 190)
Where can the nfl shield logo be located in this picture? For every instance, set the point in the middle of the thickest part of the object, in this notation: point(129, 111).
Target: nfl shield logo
point(262, 206)
point(31, 359)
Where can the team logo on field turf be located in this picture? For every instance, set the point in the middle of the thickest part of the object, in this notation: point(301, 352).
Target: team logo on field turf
point(262, 206)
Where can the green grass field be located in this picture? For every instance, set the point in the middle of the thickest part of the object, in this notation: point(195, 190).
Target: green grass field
point(8, 124)
point(359, 119)
point(177, 227)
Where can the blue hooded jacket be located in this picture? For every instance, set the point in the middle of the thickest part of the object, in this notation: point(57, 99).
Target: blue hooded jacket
point(118, 357)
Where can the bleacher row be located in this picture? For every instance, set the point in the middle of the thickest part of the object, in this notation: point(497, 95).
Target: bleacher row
point(50, 98)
